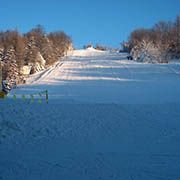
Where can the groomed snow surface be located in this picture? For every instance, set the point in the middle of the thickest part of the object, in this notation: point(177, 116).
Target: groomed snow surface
point(107, 119)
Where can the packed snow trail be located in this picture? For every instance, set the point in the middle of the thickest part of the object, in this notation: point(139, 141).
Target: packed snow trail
point(104, 77)
point(107, 118)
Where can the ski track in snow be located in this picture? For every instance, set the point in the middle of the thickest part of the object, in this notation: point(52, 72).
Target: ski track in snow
point(107, 119)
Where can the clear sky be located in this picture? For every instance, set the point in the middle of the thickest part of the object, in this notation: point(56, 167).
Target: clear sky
point(87, 21)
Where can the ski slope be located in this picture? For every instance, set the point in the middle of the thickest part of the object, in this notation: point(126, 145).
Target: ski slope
point(107, 118)
point(91, 76)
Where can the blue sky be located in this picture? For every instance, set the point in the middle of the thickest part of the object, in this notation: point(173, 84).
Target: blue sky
point(87, 21)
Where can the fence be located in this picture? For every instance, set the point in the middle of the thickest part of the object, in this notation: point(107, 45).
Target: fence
point(31, 97)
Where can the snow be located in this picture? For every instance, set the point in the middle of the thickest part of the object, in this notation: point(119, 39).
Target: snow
point(26, 70)
point(93, 76)
point(88, 52)
point(107, 118)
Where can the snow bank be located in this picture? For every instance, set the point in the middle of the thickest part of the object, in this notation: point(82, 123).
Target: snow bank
point(88, 52)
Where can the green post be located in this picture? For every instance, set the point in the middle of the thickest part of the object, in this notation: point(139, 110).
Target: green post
point(14, 97)
point(32, 98)
point(39, 101)
point(23, 97)
point(46, 96)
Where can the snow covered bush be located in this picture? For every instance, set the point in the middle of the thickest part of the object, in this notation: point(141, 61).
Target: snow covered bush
point(158, 44)
point(30, 52)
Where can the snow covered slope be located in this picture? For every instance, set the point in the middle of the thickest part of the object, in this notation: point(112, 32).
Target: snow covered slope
point(107, 118)
point(93, 76)
point(88, 52)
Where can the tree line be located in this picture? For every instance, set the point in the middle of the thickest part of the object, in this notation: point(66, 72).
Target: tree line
point(18, 50)
point(161, 43)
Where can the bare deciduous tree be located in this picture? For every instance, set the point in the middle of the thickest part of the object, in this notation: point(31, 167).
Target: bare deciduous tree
point(162, 42)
